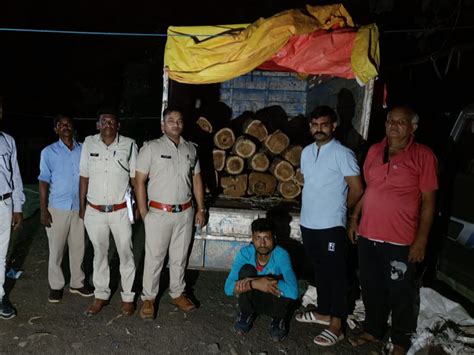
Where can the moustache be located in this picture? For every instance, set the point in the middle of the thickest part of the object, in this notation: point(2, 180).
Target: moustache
point(324, 134)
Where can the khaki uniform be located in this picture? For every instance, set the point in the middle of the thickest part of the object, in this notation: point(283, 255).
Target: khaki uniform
point(170, 169)
point(109, 169)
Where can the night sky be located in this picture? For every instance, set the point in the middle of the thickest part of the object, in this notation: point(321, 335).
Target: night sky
point(46, 73)
point(429, 67)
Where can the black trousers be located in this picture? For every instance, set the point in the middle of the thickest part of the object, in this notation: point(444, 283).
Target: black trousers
point(255, 301)
point(326, 249)
point(388, 283)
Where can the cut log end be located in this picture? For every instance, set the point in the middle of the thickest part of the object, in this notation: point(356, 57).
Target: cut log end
point(276, 142)
point(289, 189)
point(224, 138)
point(244, 147)
point(218, 158)
point(234, 186)
point(204, 124)
point(234, 165)
point(261, 184)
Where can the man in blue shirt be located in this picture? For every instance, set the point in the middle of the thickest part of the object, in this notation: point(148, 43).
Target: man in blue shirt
point(11, 203)
point(264, 281)
point(332, 184)
point(59, 204)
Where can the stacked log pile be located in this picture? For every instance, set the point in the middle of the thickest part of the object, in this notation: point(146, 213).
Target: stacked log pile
point(259, 154)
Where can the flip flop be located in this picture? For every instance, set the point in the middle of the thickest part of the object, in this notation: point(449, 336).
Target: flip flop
point(309, 317)
point(328, 338)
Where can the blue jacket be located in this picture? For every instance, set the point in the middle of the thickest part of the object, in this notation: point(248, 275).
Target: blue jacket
point(279, 264)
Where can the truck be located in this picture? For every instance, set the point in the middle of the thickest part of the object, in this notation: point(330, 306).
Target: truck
point(295, 59)
point(455, 222)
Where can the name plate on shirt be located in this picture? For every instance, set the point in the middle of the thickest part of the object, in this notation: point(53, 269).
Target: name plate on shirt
point(94, 154)
point(166, 156)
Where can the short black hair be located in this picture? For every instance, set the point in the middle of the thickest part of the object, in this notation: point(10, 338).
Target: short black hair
point(170, 109)
point(59, 116)
point(322, 111)
point(108, 111)
point(263, 225)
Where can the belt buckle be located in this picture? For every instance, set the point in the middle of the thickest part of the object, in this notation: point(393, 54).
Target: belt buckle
point(108, 208)
point(176, 208)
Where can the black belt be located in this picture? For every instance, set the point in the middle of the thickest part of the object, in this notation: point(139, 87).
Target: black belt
point(4, 197)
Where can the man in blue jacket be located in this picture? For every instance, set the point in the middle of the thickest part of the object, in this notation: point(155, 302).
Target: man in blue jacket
point(264, 281)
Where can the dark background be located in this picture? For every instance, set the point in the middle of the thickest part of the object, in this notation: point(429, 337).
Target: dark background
point(427, 56)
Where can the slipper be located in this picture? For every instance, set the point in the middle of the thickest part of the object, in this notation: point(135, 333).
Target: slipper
point(309, 317)
point(328, 338)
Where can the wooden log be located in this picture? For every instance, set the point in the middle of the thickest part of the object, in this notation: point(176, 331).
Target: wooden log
point(298, 178)
point(204, 124)
point(261, 184)
point(259, 162)
point(237, 123)
point(282, 170)
point(224, 138)
point(234, 186)
point(244, 147)
point(276, 142)
point(218, 157)
point(273, 117)
point(255, 128)
point(234, 165)
point(289, 189)
point(293, 154)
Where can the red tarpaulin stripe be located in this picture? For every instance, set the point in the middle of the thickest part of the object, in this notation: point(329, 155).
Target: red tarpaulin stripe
point(319, 52)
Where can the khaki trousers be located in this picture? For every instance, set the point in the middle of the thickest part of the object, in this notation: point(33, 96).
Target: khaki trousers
point(6, 209)
point(99, 225)
point(68, 228)
point(166, 232)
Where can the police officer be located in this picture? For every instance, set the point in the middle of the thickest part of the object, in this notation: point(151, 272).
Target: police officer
point(106, 168)
point(172, 167)
point(11, 203)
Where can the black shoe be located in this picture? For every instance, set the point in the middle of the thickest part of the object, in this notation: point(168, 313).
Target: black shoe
point(243, 323)
point(6, 311)
point(83, 291)
point(278, 329)
point(55, 295)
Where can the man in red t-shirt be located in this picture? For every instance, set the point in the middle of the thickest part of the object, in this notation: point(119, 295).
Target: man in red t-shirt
point(395, 213)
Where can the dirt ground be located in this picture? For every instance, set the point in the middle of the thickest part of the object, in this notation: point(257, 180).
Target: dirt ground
point(43, 327)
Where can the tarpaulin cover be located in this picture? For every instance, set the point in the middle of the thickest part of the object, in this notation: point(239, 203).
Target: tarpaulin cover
point(320, 40)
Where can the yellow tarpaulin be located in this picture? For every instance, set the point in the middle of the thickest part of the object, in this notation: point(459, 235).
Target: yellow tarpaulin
point(213, 54)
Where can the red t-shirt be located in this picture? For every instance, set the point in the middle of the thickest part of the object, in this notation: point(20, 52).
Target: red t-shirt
point(391, 206)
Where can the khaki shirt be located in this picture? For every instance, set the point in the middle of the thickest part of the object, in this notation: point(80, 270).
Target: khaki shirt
point(170, 169)
point(109, 168)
